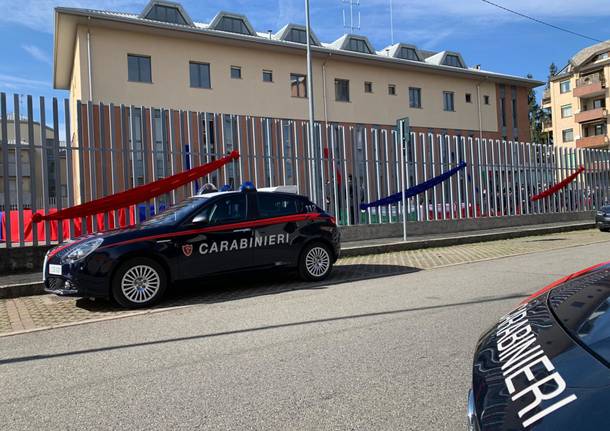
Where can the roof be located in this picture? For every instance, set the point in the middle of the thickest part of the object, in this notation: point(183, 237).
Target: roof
point(587, 53)
point(66, 20)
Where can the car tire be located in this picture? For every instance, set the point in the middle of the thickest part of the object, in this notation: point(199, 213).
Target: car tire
point(315, 262)
point(139, 283)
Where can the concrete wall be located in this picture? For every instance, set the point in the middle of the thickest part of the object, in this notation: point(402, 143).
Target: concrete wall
point(394, 230)
point(22, 259)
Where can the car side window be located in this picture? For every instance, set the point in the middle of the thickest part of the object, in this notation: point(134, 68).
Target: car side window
point(229, 209)
point(270, 205)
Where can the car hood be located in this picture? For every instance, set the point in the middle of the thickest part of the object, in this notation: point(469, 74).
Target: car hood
point(530, 372)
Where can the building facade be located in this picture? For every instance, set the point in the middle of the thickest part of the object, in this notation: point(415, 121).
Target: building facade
point(577, 97)
point(161, 58)
point(32, 173)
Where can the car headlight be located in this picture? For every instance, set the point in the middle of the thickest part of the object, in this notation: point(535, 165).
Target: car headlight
point(82, 250)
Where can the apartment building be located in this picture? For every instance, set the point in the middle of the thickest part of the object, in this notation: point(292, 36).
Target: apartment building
point(577, 98)
point(162, 58)
point(29, 169)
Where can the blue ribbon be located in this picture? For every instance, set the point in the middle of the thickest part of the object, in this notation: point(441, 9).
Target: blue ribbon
point(415, 190)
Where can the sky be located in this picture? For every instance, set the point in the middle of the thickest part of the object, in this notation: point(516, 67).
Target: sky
point(483, 34)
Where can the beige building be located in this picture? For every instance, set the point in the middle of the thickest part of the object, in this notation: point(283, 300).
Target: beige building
point(162, 58)
point(31, 160)
point(577, 98)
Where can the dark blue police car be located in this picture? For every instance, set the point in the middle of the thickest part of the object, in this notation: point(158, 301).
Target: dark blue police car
point(545, 365)
point(212, 233)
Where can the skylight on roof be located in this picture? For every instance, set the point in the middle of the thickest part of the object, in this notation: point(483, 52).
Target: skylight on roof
point(233, 25)
point(408, 53)
point(452, 60)
point(166, 14)
point(358, 45)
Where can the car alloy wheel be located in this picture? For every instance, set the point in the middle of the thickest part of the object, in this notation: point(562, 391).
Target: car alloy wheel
point(140, 284)
point(317, 261)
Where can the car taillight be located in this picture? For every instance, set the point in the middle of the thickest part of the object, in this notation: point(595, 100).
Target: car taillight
point(333, 220)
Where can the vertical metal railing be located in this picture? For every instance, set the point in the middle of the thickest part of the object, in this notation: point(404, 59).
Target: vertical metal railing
point(55, 157)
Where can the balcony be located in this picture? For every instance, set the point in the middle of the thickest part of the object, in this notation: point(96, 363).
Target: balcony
point(591, 115)
point(546, 98)
point(589, 86)
point(547, 125)
point(599, 141)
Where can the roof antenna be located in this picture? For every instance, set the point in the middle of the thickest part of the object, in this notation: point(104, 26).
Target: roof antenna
point(270, 32)
point(354, 8)
point(391, 23)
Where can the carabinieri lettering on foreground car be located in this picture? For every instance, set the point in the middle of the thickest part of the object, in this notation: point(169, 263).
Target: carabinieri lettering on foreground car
point(212, 233)
point(545, 365)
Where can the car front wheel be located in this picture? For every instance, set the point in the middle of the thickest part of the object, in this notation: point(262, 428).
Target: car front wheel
point(315, 262)
point(139, 283)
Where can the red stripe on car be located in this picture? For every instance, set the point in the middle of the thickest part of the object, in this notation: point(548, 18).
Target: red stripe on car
point(240, 225)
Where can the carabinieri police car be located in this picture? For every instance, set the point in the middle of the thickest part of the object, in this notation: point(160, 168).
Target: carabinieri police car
point(545, 365)
point(211, 233)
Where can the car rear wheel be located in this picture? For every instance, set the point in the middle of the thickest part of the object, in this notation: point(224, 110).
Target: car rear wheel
point(315, 262)
point(139, 283)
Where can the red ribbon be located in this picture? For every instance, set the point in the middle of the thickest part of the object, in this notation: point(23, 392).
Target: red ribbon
point(558, 186)
point(137, 194)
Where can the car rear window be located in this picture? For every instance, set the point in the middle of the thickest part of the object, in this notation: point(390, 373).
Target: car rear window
point(582, 306)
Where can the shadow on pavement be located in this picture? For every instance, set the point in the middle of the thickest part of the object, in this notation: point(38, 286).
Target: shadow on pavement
point(482, 300)
point(241, 285)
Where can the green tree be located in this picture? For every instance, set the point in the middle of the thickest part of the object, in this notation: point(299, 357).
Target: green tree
point(552, 72)
point(536, 116)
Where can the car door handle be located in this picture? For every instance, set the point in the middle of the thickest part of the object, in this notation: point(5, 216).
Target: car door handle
point(243, 230)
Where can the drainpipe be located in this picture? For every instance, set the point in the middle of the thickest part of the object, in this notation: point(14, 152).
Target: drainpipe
point(89, 72)
point(324, 93)
point(479, 111)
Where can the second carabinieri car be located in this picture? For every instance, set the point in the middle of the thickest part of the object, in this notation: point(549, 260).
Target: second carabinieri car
point(544, 366)
point(208, 234)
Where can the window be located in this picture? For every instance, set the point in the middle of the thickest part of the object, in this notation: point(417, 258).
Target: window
point(233, 25)
point(566, 111)
point(452, 60)
point(299, 36)
point(567, 135)
point(341, 90)
point(274, 205)
point(235, 72)
point(298, 85)
point(166, 14)
point(392, 90)
point(564, 86)
point(358, 45)
point(368, 87)
point(514, 106)
point(599, 103)
point(486, 100)
point(414, 97)
point(468, 98)
point(200, 75)
point(503, 111)
point(138, 68)
point(228, 209)
point(267, 76)
point(408, 53)
point(448, 104)
point(602, 56)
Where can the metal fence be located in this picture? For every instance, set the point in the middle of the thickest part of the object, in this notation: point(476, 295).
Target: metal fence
point(104, 149)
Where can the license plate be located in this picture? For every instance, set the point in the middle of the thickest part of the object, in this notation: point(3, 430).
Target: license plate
point(55, 269)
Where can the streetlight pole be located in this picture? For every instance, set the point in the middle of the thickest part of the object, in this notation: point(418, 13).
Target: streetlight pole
point(310, 96)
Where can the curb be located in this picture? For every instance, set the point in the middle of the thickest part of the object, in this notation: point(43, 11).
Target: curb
point(21, 289)
point(462, 239)
point(36, 288)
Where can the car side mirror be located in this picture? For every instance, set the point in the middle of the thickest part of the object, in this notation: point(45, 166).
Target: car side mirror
point(201, 219)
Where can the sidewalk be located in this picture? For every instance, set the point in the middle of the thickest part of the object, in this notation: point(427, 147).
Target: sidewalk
point(13, 286)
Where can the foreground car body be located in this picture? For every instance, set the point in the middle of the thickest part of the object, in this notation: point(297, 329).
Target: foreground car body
point(204, 235)
point(545, 365)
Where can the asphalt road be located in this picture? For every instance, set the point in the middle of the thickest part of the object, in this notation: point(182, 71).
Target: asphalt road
point(379, 354)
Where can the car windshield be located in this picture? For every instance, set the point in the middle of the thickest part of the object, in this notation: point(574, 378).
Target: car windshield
point(175, 214)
